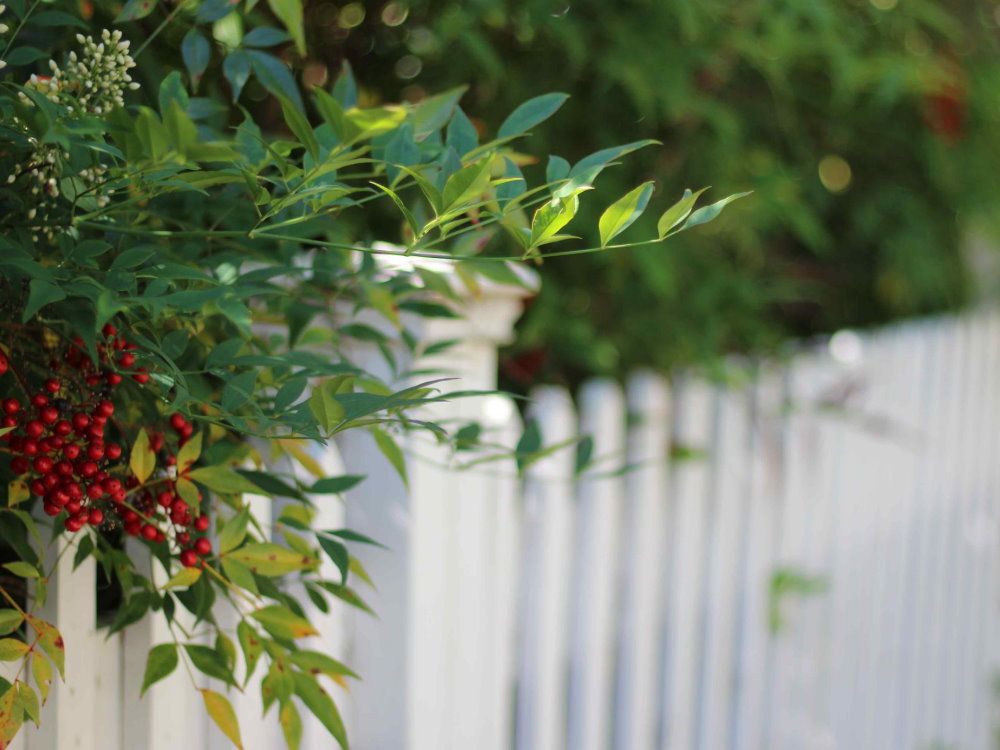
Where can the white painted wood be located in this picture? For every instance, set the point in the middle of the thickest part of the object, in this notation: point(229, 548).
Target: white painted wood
point(730, 499)
point(690, 488)
point(600, 499)
point(542, 699)
point(638, 697)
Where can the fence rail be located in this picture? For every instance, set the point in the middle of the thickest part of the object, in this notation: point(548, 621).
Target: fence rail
point(805, 558)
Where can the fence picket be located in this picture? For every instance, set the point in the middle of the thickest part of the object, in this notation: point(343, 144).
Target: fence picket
point(549, 520)
point(646, 497)
point(599, 503)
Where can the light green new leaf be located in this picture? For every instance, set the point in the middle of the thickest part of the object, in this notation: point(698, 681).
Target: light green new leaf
point(677, 212)
point(466, 184)
point(222, 479)
point(234, 531)
point(162, 660)
point(327, 410)
point(289, 12)
point(623, 212)
point(281, 622)
point(552, 217)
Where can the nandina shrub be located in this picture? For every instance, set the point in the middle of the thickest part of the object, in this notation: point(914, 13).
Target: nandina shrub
point(180, 283)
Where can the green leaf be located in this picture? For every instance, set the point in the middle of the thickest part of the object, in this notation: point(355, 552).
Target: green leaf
point(269, 559)
point(530, 113)
point(238, 391)
point(196, 52)
point(51, 642)
point(162, 660)
point(316, 663)
point(142, 460)
point(390, 449)
point(338, 553)
point(239, 574)
point(265, 36)
point(431, 114)
point(134, 10)
point(223, 715)
point(251, 644)
point(22, 569)
point(289, 12)
point(27, 699)
point(321, 705)
point(706, 214)
point(189, 452)
point(234, 531)
point(677, 212)
point(354, 536)
point(222, 479)
point(335, 485)
point(40, 294)
point(297, 122)
point(623, 212)
point(210, 662)
point(552, 217)
point(281, 622)
point(236, 68)
point(466, 185)
point(462, 135)
point(407, 215)
point(10, 620)
point(327, 410)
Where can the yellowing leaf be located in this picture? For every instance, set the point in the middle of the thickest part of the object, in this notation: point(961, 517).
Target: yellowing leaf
point(41, 670)
point(143, 460)
point(269, 559)
point(291, 725)
point(183, 578)
point(12, 649)
point(306, 461)
point(281, 622)
point(188, 492)
point(222, 714)
point(51, 642)
point(27, 700)
point(189, 453)
point(11, 716)
point(17, 492)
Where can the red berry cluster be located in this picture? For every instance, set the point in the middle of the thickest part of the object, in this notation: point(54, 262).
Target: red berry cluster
point(61, 448)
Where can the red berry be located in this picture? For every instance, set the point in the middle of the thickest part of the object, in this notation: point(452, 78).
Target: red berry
point(178, 506)
point(19, 465)
point(113, 451)
point(189, 558)
point(48, 414)
point(39, 400)
point(63, 428)
point(95, 452)
point(3, 363)
point(72, 506)
point(130, 516)
point(95, 491)
point(51, 510)
point(73, 490)
point(34, 428)
point(165, 499)
point(177, 421)
point(30, 447)
point(133, 528)
point(106, 408)
point(95, 517)
point(149, 531)
point(44, 446)
point(56, 442)
point(93, 380)
point(111, 485)
point(113, 378)
point(119, 496)
point(73, 524)
point(50, 481)
point(183, 538)
point(71, 451)
point(127, 359)
point(141, 377)
point(95, 432)
point(201, 523)
point(80, 421)
point(64, 467)
point(43, 464)
point(109, 330)
point(52, 385)
point(38, 487)
point(88, 469)
point(12, 406)
point(203, 547)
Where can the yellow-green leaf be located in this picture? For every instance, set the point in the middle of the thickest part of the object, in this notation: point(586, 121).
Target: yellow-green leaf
point(188, 492)
point(23, 569)
point(291, 725)
point(327, 410)
point(222, 714)
point(391, 451)
point(143, 460)
point(321, 705)
point(12, 649)
point(10, 619)
point(222, 479)
point(677, 212)
point(189, 453)
point(552, 217)
point(17, 492)
point(183, 578)
point(41, 670)
point(11, 716)
point(27, 700)
point(281, 622)
point(289, 13)
point(234, 530)
point(619, 215)
point(269, 559)
point(51, 642)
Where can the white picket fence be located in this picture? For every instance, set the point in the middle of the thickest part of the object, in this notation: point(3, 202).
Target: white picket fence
point(635, 610)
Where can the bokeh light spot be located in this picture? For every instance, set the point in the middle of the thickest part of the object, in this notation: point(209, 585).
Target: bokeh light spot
point(393, 14)
point(351, 15)
point(834, 173)
point(408, 66)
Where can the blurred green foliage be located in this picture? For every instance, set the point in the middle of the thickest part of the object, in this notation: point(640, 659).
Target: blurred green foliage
point(867, 130)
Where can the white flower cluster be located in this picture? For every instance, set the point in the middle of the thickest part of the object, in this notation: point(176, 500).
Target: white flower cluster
point(4, 28)
point(42, 172)
point(98, 76)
